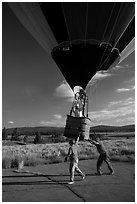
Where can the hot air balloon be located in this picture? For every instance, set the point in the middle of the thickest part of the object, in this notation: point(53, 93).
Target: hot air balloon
point(82, 38)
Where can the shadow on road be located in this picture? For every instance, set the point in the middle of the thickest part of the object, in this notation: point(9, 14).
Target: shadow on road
point(34, 183)
point(48, 175)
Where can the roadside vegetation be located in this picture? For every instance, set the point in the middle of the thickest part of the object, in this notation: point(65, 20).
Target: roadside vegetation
point(121, 149)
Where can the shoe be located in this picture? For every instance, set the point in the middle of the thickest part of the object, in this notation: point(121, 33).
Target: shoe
point(98, 173)
point(71, 182)
point(111, 173)
point(83, 176)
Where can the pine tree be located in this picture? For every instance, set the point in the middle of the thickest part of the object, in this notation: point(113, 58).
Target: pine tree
point(25, 139)
point(4, 134)
point(38, 138)
point(15, 135)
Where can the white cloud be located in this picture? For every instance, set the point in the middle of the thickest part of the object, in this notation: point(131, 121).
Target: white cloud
point(126, 120)
point(125, 66)
point(132, 88)
point(64, 91)
point(99, 76)
point(57, 121)
point(116, 110)
point(131, 81)
point(42, 122)
point(116, 104)
point(111, 114)
point(57, 116)
point(113, 103)
point(122, 90)
point(118, 67)
point(128, 101)
point(129, 85)
point(10, 122)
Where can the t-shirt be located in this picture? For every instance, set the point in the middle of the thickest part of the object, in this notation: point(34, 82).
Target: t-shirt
point(73, 152)
point(100, 147)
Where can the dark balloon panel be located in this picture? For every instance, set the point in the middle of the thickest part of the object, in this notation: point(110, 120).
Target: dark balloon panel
point(80, 60)
point(81, 37)
point(90, 35)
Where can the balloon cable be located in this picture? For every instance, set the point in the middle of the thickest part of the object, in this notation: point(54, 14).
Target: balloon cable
point(118, 41)
point(104, 35)
point(108, 21)
point(86, 23)
point(124, 31)
point(66, 22)
point(100, 64)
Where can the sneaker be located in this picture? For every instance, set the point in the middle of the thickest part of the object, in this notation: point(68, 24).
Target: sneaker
point(98, 173)
point(111, 172)
point(83, 176)
point(71, 182)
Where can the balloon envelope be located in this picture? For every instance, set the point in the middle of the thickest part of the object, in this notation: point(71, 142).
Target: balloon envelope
point(82, 37)
point(90, 36)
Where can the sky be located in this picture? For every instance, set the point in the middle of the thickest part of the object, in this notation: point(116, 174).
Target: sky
point(35, 93)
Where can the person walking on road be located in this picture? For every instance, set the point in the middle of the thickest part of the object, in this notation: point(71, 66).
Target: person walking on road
point(73, 156)
point(103, 155)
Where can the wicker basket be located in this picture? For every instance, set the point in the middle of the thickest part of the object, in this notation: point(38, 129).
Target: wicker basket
point(76, 126)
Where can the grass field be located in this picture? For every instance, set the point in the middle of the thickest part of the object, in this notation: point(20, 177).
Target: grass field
point(121, 149)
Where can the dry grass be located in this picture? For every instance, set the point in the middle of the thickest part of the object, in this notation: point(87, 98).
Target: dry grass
point(119, 150)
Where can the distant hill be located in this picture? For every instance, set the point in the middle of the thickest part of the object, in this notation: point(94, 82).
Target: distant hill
point(33, 130)
point(105, 128)
point(60, 130)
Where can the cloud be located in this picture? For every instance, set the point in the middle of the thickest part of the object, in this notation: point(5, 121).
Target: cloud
point(113, 103)
point(64, 91)
point(57, 116)
point(118, 67)
point(129, 85)
point(132, 88)
point(111, 114)
point(123, 90)
point(129, 102)
point(125, 66)
point(10, 122)
point(57, 121)
point(126, 120)
point(98, 77)
point(46, 123)
point(115, 111)
point(132, 80)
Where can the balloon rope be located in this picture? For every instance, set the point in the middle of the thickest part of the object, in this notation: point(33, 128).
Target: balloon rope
point(115, 22)
point(109, 39)
point(108, 21)
point(117, 42)
point(128, 50)
point(86, 22)
point(106, 60)
point(104, 35)
point(123, 31)
point(66, 22)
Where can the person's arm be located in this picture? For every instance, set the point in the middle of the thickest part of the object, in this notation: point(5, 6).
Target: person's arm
point(77, 139)
point(93, 142)
point(68, 154)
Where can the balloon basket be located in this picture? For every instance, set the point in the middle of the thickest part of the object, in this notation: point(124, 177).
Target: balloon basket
point(76, 126)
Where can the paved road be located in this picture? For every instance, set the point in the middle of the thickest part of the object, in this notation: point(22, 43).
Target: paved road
point(49, 184)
